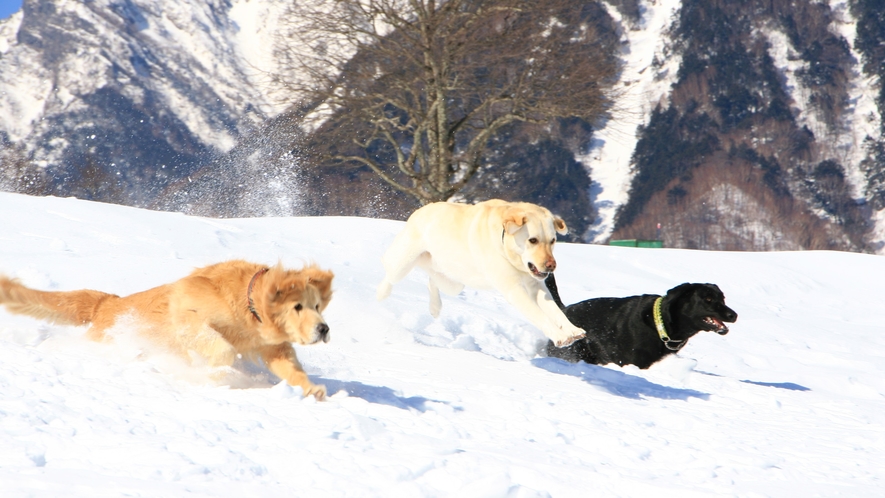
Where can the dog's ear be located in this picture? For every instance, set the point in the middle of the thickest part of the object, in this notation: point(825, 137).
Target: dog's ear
point(514, 219)
point(275, 288)
point(679, 291)
point(283, 288)
point(321, 279)
point(559, 225)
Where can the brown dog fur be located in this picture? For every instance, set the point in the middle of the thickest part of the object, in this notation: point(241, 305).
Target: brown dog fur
point(206, 313)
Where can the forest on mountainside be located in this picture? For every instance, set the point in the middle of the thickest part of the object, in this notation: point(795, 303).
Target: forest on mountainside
point(728, 165)
point(754, 147)
point(870, 42)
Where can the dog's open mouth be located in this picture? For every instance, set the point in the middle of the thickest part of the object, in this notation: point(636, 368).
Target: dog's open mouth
point(717, 325)
point(538, 274)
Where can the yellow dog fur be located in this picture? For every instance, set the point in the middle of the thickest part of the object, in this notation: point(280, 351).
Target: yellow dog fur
point(208, 313)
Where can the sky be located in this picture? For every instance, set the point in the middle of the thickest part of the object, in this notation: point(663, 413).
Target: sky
point(9, 7)
point(791, 402)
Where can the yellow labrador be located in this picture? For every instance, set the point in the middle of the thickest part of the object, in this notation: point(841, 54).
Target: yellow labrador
point(494, 244)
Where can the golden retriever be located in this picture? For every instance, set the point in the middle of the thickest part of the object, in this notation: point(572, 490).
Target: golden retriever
point(216, 312)
point(496, 244)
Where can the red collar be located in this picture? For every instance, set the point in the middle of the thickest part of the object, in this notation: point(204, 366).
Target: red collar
point(249, 293)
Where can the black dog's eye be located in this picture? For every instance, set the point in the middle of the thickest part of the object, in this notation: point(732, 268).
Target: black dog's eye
point(708, 299)
point(533, 240)
point(298, 307)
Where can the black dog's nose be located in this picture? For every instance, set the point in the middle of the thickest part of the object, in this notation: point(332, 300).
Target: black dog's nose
point(731, 316)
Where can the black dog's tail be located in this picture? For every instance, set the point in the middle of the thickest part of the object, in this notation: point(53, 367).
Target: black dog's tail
point(550, 281)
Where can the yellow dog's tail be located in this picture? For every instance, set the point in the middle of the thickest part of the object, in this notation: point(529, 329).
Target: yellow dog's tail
point(65, 308)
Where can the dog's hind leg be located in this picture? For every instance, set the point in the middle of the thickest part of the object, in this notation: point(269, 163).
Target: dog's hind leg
point(402, 255)
point(439, 282)
point(435, 300)
point(96, 333)
point(384, 289)
point(211, 346)
point(446, 284)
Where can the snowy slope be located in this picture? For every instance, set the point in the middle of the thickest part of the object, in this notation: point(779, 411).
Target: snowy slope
point(789, 403)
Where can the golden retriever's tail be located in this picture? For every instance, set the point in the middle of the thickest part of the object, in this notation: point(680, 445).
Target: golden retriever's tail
point(66, 308)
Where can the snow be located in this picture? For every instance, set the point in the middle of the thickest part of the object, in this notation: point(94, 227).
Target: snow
point(862, 118)
point(645, 85)
point(789, 64)
point(789, 403)
point(8, 30)
point(193, 56)
point(23, 91)
point(257, 23)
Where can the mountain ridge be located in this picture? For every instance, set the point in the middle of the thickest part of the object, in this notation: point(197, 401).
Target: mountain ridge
point(748, 127)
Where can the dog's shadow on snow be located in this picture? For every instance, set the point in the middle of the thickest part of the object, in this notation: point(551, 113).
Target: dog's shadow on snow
point(789, 386)
point(380, 395)
point(617, 383)
point(253, 375)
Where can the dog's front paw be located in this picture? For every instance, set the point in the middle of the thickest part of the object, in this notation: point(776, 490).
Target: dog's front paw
point(564, 336)
point(568, 341)
point(318, 391)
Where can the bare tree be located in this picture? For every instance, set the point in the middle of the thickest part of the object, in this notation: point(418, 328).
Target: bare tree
point(415, 89)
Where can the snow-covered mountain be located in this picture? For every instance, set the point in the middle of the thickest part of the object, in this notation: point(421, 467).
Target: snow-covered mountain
point(740, 126)
point(143, 89)
point(758, 127)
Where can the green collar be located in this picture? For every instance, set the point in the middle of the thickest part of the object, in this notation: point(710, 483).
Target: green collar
point(662, 331)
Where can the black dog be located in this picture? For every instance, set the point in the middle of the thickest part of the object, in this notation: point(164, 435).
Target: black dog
point(627, 331)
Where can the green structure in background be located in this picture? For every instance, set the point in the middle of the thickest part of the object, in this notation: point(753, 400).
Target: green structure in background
point(637, 243)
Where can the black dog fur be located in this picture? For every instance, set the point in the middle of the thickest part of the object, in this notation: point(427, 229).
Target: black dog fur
point(622, 330)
